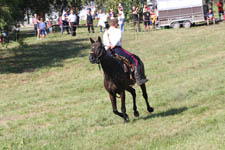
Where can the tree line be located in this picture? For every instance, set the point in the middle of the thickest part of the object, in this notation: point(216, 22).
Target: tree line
point(12, 11)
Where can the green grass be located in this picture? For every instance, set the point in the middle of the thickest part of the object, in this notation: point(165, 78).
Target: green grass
point(51, 97)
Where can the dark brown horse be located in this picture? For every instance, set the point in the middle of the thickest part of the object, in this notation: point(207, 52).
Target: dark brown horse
point(116, 80)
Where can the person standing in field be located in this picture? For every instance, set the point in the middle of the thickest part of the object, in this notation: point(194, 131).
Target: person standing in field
point(90, 23)
point(111, 14)
point(38, 29)
point(136, 19)
point(146, 19)
point(121, 18)
point(153, 17)
point(219, 4)
point(72, 22)
point(102, 17)
point(49, 25)
point(35, 24)
point(65, 21)
point(42, 27)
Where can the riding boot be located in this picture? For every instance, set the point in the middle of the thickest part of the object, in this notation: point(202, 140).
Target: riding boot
point(140, 77)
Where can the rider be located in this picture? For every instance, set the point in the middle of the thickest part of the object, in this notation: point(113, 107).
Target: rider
point(112, 40)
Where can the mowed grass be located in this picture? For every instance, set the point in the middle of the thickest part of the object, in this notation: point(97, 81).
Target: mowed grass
point(51, 97)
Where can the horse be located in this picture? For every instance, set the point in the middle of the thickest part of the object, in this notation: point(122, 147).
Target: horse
point(116, 80)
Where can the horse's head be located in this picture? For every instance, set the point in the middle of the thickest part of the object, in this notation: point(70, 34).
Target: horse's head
point(97, 51)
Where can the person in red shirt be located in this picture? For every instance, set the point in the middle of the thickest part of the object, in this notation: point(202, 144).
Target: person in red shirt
point(220, 8)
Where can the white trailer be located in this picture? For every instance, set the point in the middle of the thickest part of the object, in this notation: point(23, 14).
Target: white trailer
point(175, 13)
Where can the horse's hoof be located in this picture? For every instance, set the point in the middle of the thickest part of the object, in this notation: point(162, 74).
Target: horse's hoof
point(126, 118)
point(150, 109)
point(136, 113)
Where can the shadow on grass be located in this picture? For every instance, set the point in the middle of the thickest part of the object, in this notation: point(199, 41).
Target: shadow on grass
point(170, 112)
point(27, 58)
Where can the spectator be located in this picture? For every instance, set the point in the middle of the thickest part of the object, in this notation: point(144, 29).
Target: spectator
point(61, 24)
point(210, 17)
point(90, 21)
point(78, 17)
point(102, 17)
point(35, 24)
point(38, 29)
point(42, 27)
point(121, 18)
point(65, 21)
point(17, 31)
point(146, 19)
point(136, 19)
point(111, 14)
point(220, 8)
point(153, 17)
point(49, 26)
point(72, 22)
point(145, 8)
point(120, 6)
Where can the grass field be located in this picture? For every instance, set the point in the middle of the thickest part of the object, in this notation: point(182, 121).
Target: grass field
point(52, 98)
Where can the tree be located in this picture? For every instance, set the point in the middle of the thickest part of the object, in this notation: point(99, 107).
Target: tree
point(62, 4)
point(127, 4)
point(14, 10)
point(11, 12)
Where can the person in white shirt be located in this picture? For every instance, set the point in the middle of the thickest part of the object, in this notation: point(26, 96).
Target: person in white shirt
point(112, 41)
point(72, 22)
point(102, 17)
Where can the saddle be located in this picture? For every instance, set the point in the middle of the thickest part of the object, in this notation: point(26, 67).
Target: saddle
point(128, 67)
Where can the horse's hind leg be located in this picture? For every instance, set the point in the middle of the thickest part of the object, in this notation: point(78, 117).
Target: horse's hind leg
point(133, 93)
point(145, 95)
point(123, 106)
point(114, 106)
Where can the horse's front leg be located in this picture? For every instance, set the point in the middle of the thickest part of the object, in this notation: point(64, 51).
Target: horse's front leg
point(114, 106)
point(123, 106)
point(145, 95)
point(133, 93)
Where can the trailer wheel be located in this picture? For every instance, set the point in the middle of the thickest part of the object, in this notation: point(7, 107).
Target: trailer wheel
point(187, 24)
point(176, 25)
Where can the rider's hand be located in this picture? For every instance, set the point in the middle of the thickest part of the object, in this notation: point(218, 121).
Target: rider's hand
point(111, 46)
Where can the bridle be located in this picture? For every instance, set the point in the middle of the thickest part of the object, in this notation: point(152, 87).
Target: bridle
point(98, 57)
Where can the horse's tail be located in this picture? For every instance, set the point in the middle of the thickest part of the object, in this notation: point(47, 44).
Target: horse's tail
point(141, 67)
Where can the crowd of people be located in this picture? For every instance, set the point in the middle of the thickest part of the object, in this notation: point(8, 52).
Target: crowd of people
point(210, 15)
point(104, 18)
point(69, 21)
point(149, 18)
point(41, 26)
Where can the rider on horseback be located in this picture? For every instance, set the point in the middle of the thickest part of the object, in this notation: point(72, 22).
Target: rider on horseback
point(112, 40)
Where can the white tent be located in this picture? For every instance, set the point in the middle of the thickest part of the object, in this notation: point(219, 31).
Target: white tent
point(178, 4)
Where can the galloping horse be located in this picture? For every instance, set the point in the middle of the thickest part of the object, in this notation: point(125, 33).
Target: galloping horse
point(116, 80)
